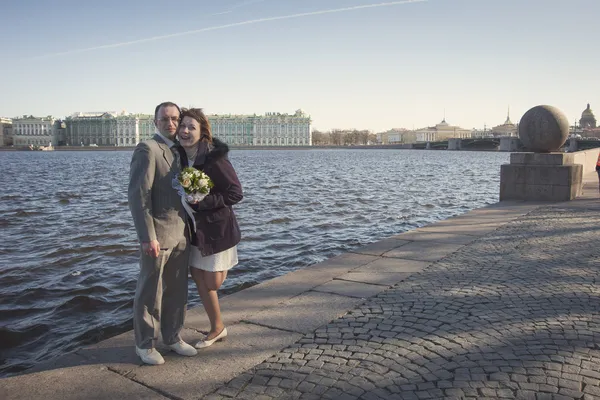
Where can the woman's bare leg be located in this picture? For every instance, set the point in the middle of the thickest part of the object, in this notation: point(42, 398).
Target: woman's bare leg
point(208, 283)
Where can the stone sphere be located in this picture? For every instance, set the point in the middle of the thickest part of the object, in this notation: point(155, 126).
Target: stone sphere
point(543, 129)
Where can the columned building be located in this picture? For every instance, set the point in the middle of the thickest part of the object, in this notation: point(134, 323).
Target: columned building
point(124, 130)
point(102, 129)
point(6, 136)
point(271, 129)
point(33, 131)
point(441, 131)
point(146, 126)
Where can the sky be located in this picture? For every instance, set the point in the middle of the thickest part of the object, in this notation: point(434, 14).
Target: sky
point(349, 64)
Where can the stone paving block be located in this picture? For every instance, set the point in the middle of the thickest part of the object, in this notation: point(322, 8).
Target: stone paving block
point(467, 229)
point(74, 383)
point(305, 313)
point(192, 377)
point(392, 265)
point(380, 247)
point(65, 361)
point(435, 237)
point(118, 350)
point(472, 220)
point(350, 289)
point(382, 278)
point(423, 251)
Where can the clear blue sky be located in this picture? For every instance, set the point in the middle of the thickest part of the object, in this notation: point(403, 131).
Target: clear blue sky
point(395, 65)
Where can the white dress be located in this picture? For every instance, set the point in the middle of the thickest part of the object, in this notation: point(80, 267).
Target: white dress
point(222, 261)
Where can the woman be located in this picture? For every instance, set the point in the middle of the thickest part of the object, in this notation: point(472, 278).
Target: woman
point(214, 244)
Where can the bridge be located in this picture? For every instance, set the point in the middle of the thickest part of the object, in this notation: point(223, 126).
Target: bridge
point(480, 144)
point(574, 144)
point(512, 144)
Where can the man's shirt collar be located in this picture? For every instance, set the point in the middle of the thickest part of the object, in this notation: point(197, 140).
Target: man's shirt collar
point(168, 141)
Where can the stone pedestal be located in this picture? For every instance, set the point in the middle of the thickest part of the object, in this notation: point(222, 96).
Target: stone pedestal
point(508, 143)
point(541, 176)
point(454, 144)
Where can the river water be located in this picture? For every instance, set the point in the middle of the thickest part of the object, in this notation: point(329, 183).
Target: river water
point(68, 250)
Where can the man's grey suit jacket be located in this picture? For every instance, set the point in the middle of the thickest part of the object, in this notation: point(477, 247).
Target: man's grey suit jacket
point(155, 205)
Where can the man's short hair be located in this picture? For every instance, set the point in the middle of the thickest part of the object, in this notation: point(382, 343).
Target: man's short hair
point(166, 104)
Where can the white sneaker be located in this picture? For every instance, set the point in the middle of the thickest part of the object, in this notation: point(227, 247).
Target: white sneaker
point(150, 356)
point(183, 349)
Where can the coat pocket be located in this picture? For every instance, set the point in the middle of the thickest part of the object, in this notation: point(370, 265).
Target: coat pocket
point(217, 223)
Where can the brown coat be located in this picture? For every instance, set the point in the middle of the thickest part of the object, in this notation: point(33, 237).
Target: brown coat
point(216, 226)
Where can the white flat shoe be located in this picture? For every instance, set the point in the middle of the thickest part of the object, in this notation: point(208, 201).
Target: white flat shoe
point(205, 343)
point(150, 356)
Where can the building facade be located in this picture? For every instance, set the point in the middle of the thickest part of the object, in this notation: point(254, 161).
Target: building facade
point(396, 136)
point(441, 131)
point(124, 130)
point(146, 126)
point(271, 129)
point(102, 129)
point(507, 128)
point(6, 136)
point(33, 131)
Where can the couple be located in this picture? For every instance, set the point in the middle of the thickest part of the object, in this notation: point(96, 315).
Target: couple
point(169, 244)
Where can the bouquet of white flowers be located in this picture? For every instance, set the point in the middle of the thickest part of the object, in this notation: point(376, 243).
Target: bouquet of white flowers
point(195, 183)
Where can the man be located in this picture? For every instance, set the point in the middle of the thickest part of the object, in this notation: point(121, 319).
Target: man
point(159, 218)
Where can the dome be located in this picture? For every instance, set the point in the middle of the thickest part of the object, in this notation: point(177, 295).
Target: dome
point(587, 112)
point(587, 118)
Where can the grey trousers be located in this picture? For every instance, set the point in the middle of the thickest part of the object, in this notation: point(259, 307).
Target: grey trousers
point(161, 296)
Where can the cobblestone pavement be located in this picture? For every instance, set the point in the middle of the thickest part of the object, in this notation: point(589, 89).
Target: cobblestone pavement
point(515, 314)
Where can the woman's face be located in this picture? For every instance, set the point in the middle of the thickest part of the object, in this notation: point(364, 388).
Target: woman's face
point(189, 132)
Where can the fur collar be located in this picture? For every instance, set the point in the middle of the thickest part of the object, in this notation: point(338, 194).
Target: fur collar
point(211, 152)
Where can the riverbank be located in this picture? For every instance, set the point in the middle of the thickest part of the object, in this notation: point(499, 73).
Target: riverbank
point(497, 302)
point(233, 147)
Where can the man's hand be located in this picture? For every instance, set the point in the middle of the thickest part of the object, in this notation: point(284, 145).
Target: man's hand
point(151, 248)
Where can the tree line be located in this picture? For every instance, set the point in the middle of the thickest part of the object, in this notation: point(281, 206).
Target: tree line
point(340, 137)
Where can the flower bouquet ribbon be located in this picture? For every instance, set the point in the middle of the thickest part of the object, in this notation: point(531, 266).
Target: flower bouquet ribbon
point(192, 186)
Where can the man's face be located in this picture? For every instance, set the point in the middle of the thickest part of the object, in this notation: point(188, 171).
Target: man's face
point(167, 120)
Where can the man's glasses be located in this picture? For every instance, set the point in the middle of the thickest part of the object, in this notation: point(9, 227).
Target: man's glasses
point(169, 119)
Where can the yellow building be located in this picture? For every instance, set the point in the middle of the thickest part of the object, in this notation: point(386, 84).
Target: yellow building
point(6, 137)
point(506, 129)
point(395, 136)
point(442, 131)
